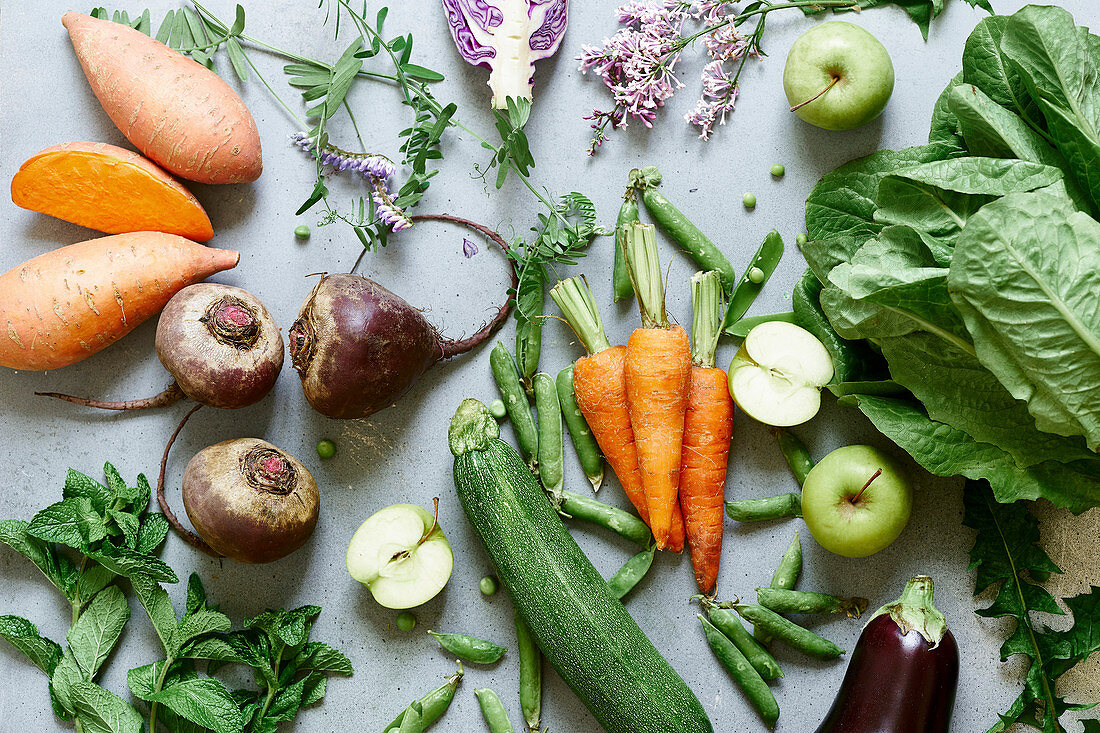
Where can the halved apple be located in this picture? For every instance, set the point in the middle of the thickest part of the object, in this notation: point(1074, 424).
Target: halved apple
point(401, 555)
point(777, 375)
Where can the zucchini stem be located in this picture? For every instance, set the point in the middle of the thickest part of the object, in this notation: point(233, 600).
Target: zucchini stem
point(706, 317)
point(644, 265)
point(577, 305)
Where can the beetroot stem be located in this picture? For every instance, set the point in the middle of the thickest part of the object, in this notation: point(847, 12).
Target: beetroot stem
point(170, 396)
point(452, 348)
point(188, 536)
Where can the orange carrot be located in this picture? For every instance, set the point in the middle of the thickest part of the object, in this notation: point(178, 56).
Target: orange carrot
point(708, 427)
point(65, 305)
point(657, 373)
point(172, 108)
point(108, 188)
point(600, 389)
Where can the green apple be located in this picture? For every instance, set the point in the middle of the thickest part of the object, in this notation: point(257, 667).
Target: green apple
point(838, 76)
point(401, 554)
point(856, 501)
point(777, 375)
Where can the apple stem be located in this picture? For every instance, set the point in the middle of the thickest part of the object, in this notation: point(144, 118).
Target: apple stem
point(874, 476)
point(435, 521)
point(819, 95)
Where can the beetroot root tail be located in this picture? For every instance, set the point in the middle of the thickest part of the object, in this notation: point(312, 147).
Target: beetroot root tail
point(188, 536)
point(170, 396)
point(451, 347)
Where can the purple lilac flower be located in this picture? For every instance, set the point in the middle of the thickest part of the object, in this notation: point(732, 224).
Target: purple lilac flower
point(719, 97)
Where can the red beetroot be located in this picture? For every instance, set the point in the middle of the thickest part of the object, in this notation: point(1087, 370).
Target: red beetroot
point(903, 673)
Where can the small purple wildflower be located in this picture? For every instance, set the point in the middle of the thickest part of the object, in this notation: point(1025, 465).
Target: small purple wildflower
point(468, 248)
point(386, 210)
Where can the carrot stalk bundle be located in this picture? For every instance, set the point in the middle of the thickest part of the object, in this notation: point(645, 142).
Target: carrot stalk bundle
point(657, 373)
point(708, 427)
point(600, 390)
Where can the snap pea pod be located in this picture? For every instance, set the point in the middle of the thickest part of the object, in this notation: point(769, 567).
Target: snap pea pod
point(530, 302)
point(432, 705)
point(782, 600)
point(741, 328)
point(621, 522)
point(413, 721)
point(530, 675)
point(551, 460)
point(785, 577)
point(766, 509)
point(588, 451)
point(730, 624)
point(677, 226)
point(628, 214)
point(515, 402)
point(493, 710)
point(766, 259)
point(795, 453)
point(470, 648)
point(788, 632)
point(751, 683)
point(631, 573)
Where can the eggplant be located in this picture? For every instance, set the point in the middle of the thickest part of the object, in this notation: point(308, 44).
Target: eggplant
point(903, 673)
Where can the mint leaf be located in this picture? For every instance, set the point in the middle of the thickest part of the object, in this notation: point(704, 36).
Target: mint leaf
point(318, 656)
point(204, 701)
point(222, 649)
point(196, 595)
point(96, 632)
point(143, 680)
point(65, 676)
point(158, 606)
point(78, 485)
point(128, 524)
point(23, 635)
point(199, 624)
point(132, 564)
point(101, 711)
point(151, 535)
point(93, 579)
point(73, 522)
point(116, 484)
point(57, 568)
point(289, 627)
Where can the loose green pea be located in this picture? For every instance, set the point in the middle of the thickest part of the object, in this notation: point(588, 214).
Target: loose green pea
point(406, 621)
point(326, 448)
point(778, 170)
point(497, 409)
point(488, 585)
point(470, 648)
point(749, 199)
point(800, 238)
point(756, 275)
point(301, 231)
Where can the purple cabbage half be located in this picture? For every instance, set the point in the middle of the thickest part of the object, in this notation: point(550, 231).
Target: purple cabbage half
point(507, 37)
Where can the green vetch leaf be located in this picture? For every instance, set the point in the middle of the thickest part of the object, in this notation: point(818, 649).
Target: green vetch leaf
point(96, 632)
point(23, 635)
point(204, 701)
point(1025, 277)
point(101, 711)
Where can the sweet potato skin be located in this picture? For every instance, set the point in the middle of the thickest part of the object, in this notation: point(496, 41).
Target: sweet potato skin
point(110, 189)
point(63, 306)
point(173, 109)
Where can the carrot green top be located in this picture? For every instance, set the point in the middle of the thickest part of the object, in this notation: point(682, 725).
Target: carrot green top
point(579, 308)
point(706, 319)
point(644, 265)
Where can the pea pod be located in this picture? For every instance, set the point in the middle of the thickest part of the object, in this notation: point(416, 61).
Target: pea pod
point(551, 460)
point(413, 721)
point(766, 259)
point(530, 301)
point(530, 675)
point(795, 453)
point(785, 576)
point(766, 509)
point(677, 226)
point(622, 523)
point(470, 648)
point(730, 624)
point(515, 402)
point(628, 214)
point(631, 573)
point(751, 683)
point(493, 710)
point(588, 451)
point(788, 632)
point(432, 705)
point(782, 600)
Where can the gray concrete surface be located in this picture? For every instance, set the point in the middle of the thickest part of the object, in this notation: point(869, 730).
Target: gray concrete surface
point(401, 454)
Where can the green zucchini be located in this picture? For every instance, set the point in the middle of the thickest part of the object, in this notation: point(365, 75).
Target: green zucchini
point(582, 629)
